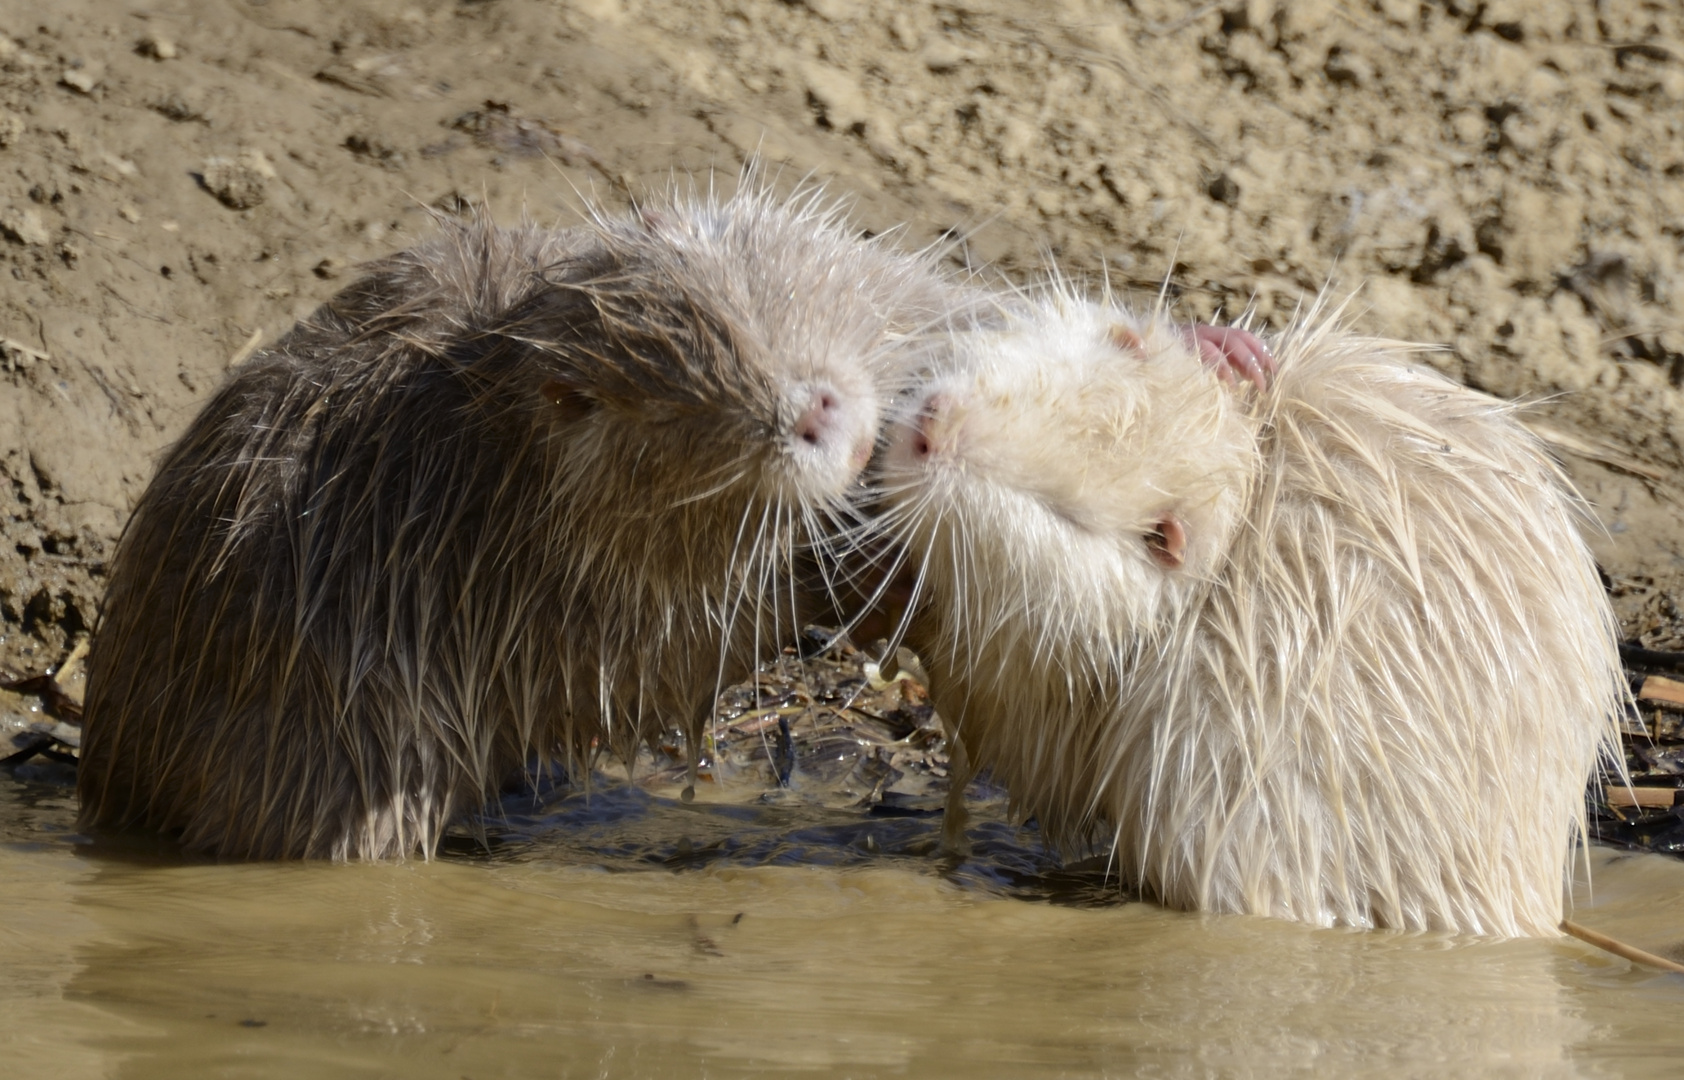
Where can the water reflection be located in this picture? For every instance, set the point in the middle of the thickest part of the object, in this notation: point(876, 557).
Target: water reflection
point(622, 827)
point(557, 958)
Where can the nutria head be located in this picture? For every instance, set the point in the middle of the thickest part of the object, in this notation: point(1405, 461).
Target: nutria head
point(1073, 471)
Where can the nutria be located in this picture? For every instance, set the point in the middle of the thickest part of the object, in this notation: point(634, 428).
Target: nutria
point(512, 494)
point(1335, 651)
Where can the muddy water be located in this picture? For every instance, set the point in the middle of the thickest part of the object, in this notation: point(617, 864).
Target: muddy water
point(651, 939)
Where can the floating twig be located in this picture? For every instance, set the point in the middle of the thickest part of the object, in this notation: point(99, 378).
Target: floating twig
point(1619, 948)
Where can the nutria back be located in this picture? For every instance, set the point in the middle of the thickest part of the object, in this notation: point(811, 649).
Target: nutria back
point(513, 493)
point(1378, 706)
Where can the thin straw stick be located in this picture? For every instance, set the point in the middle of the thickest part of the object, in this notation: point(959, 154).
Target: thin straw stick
point(1619, 948)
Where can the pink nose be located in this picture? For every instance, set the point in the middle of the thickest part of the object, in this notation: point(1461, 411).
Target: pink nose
point(819, 422)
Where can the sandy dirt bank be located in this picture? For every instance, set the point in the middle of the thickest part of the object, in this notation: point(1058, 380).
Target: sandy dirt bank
point(181, 177)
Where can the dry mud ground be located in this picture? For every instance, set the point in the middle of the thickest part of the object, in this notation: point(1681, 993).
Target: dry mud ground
point(1505, 178)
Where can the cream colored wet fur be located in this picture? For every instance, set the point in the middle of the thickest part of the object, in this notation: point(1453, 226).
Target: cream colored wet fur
point(1373, 693)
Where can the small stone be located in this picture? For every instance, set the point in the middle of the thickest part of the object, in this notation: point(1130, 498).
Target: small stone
point(238, 182)
point(11, 127)
point(328, 269)
point(129, 214)
point(943, 55)
point(177, 107)
point(158, 48)
point(80, 79)
point(23, 225)
point(234, 185)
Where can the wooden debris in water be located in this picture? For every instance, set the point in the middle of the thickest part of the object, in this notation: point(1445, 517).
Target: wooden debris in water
point(1662, 689)
point(55, 733)
point(1647, 813)
point(1622, 796)
point(1619, 948)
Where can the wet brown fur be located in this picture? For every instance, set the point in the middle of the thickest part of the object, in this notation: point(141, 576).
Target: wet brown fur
point(514, 492)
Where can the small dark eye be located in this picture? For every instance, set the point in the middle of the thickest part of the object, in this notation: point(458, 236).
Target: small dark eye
point(569, 401)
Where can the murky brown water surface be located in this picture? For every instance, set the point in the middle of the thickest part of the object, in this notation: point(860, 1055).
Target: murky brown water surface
point(633, 936)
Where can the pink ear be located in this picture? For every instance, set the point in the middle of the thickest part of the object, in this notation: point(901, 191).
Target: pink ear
point(1168, 542)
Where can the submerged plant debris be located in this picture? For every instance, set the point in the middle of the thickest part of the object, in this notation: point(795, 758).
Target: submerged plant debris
point(822, 759)
point(41, 720)
point(1647, 813)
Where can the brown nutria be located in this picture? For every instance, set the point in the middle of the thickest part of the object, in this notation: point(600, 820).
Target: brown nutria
point(514, 492)
point(1334, 652)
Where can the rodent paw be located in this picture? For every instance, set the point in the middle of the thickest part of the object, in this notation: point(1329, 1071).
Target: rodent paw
point(1232, 353)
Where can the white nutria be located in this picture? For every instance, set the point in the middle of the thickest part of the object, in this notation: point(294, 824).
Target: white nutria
point(514, 492)
point(1334, 652)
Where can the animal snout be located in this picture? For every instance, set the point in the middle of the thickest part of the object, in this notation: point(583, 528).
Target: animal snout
point(919, 438)
point(819, 422)
point(830, 423)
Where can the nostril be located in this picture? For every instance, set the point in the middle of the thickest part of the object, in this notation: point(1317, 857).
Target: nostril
point(821, 420)
point(929, 427)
